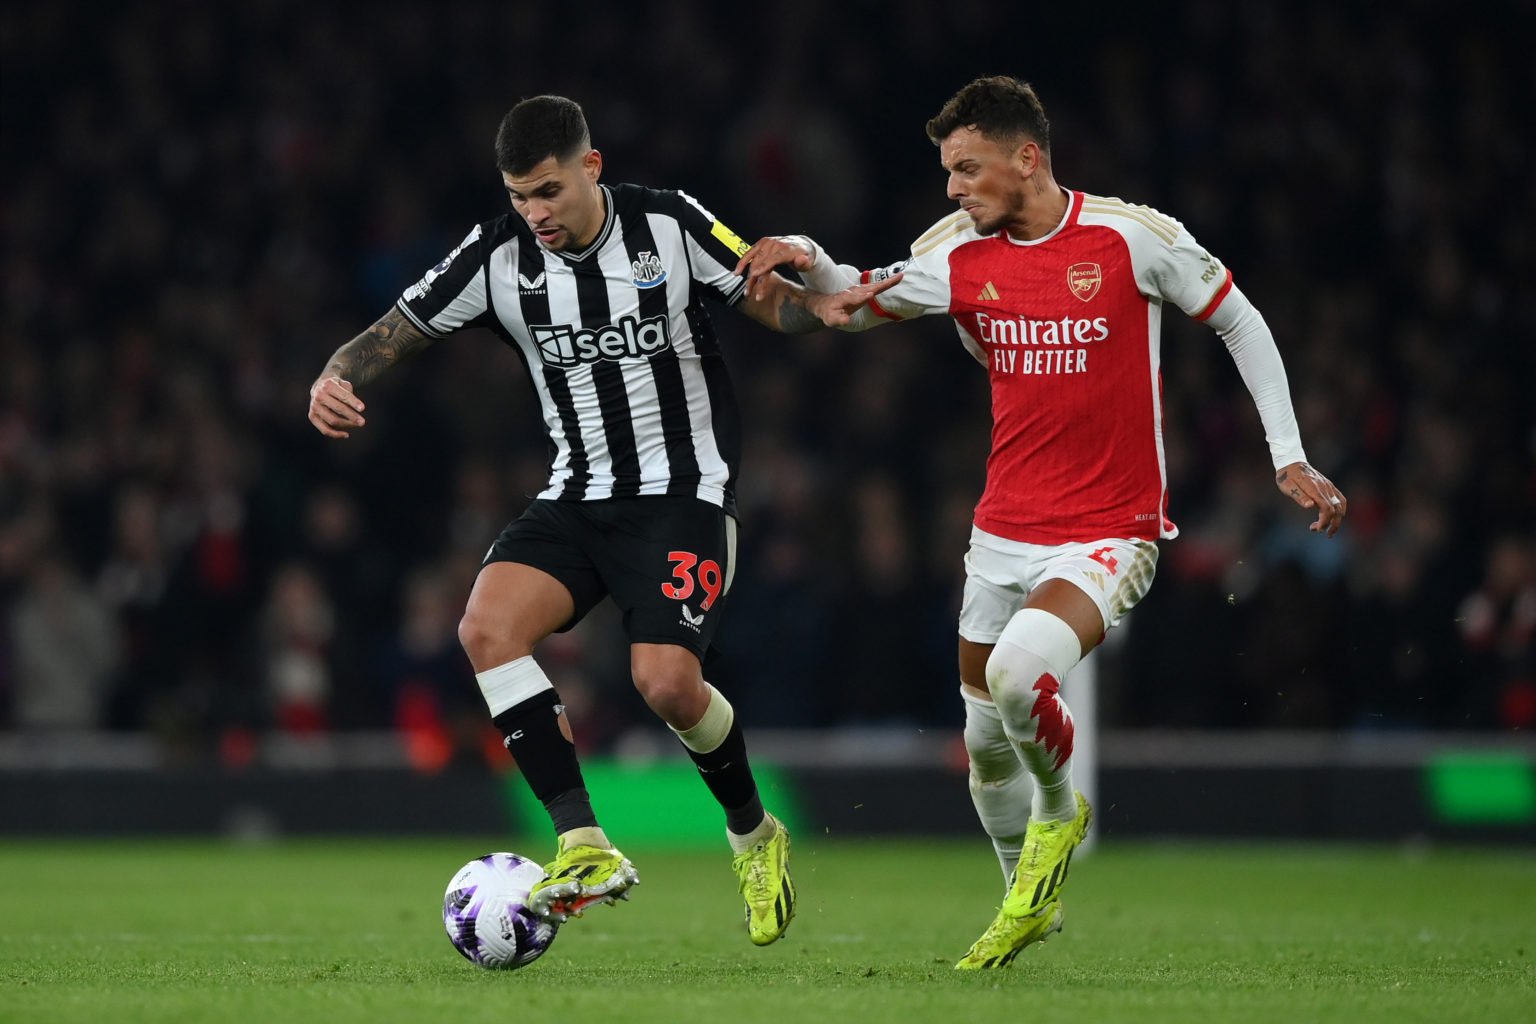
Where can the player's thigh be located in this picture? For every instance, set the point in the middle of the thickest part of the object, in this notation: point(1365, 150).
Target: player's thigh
point(997, 579)
point(538, 577)
point(1072, 605)
point(518, 601)
point(1108, 578)
point(652, 661)
point(996, 584)
point(973, 664)
point(669, 563)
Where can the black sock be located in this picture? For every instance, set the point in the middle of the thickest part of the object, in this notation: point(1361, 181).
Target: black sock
point(547, 760)
point(728, 775)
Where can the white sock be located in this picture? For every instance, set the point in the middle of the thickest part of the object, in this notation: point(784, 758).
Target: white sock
point(741, 844)
point(1024, 674)
point(1000, 787)
point(1058, 801)
point(588, 835)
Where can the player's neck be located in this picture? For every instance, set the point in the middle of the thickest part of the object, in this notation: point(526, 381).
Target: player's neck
point(596, 227)
point(1045, 204)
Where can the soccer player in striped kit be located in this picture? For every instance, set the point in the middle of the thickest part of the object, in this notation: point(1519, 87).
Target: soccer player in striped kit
point(1060, 295)
point(599, 290)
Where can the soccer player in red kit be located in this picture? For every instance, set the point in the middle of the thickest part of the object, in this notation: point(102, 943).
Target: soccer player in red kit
point(1060, 294)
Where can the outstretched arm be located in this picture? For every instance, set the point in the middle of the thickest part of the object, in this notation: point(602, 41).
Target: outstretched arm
point(333, 407)
point(782, 305)
point(1253, 348)
point(814, 265)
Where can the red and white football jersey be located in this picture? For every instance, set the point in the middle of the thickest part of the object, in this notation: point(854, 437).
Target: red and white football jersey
point(1068, 327)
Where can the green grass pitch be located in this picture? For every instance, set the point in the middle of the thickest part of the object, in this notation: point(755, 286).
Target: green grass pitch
point(350, 931)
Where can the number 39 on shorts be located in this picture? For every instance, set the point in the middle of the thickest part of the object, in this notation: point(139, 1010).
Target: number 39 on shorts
point(686, 568)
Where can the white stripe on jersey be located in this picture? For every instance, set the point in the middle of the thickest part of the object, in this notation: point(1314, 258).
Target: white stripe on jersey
point(589, 414)
point(639, 378)
point(712, 466)
point(1155, 360)
point(503, 266)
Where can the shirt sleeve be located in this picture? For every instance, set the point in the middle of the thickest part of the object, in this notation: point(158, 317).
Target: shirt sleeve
point(1189, 277)
point(1182, 272)
point(451, 294)
point(713, 250)
point(923, 288)
point(825, 274)
point(1253, 349)
point(924, 284)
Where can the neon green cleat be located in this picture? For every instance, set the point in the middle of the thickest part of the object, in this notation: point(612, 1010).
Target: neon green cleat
point(1008, 935)
point(581, 877)
point(763, 874)
point(1043, 863)
point(1032, 909)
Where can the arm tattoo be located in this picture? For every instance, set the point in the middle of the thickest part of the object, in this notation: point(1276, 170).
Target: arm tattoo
point(378, 348)
point(794, 318)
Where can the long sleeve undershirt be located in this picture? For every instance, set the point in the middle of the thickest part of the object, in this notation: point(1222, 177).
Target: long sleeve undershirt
point(1252, 345)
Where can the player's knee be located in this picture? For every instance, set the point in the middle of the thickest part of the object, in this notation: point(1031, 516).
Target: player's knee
point(672, 686)
point(1011, 675)
point(986, 747)
point(991, 753)
point(489, 642)
point(991, 766)
point(474, 635)
point(1030, 662)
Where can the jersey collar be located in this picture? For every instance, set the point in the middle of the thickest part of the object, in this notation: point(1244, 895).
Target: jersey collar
point(609, 216)
point(1074, 204)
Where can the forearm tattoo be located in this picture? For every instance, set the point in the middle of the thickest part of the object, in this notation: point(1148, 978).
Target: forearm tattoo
point(794, 318)
point(381, 346)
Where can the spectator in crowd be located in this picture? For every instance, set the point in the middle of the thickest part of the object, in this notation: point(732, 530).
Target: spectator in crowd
point(65, 646)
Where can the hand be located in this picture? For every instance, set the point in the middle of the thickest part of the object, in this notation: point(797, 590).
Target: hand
point(1310, 489)
point(332, 406)
point(838, 308)
point(770, 252)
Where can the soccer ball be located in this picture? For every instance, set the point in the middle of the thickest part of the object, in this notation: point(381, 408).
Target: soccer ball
point(485, 911)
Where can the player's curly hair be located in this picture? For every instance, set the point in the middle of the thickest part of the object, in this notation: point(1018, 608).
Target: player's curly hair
point(538, 128)
point(999, 107)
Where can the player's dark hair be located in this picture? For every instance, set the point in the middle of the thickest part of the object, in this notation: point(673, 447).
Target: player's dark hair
point(999, 107)
point(538, 128)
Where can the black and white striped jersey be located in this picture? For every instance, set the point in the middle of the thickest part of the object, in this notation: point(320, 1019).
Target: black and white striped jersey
point(616, 340)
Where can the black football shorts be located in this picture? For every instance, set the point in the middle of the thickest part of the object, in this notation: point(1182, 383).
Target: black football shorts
point(667, 561)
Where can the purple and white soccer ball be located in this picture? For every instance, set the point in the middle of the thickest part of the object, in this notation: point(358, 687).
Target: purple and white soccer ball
point(486, 912)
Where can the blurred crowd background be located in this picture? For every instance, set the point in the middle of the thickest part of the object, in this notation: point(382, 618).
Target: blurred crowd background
point(200, 202)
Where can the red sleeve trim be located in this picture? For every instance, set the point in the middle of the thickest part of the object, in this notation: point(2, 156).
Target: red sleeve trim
point(879, 310)
point(874, 304)
point(1221, 293)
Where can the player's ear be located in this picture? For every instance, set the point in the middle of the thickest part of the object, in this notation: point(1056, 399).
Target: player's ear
point(592, 164)
point(1027, 157)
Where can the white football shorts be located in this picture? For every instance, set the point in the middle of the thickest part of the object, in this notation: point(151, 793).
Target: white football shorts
point(1000, 573)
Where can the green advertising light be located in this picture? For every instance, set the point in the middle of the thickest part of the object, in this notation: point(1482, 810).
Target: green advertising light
point(657, 803)
point(1482, 789)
